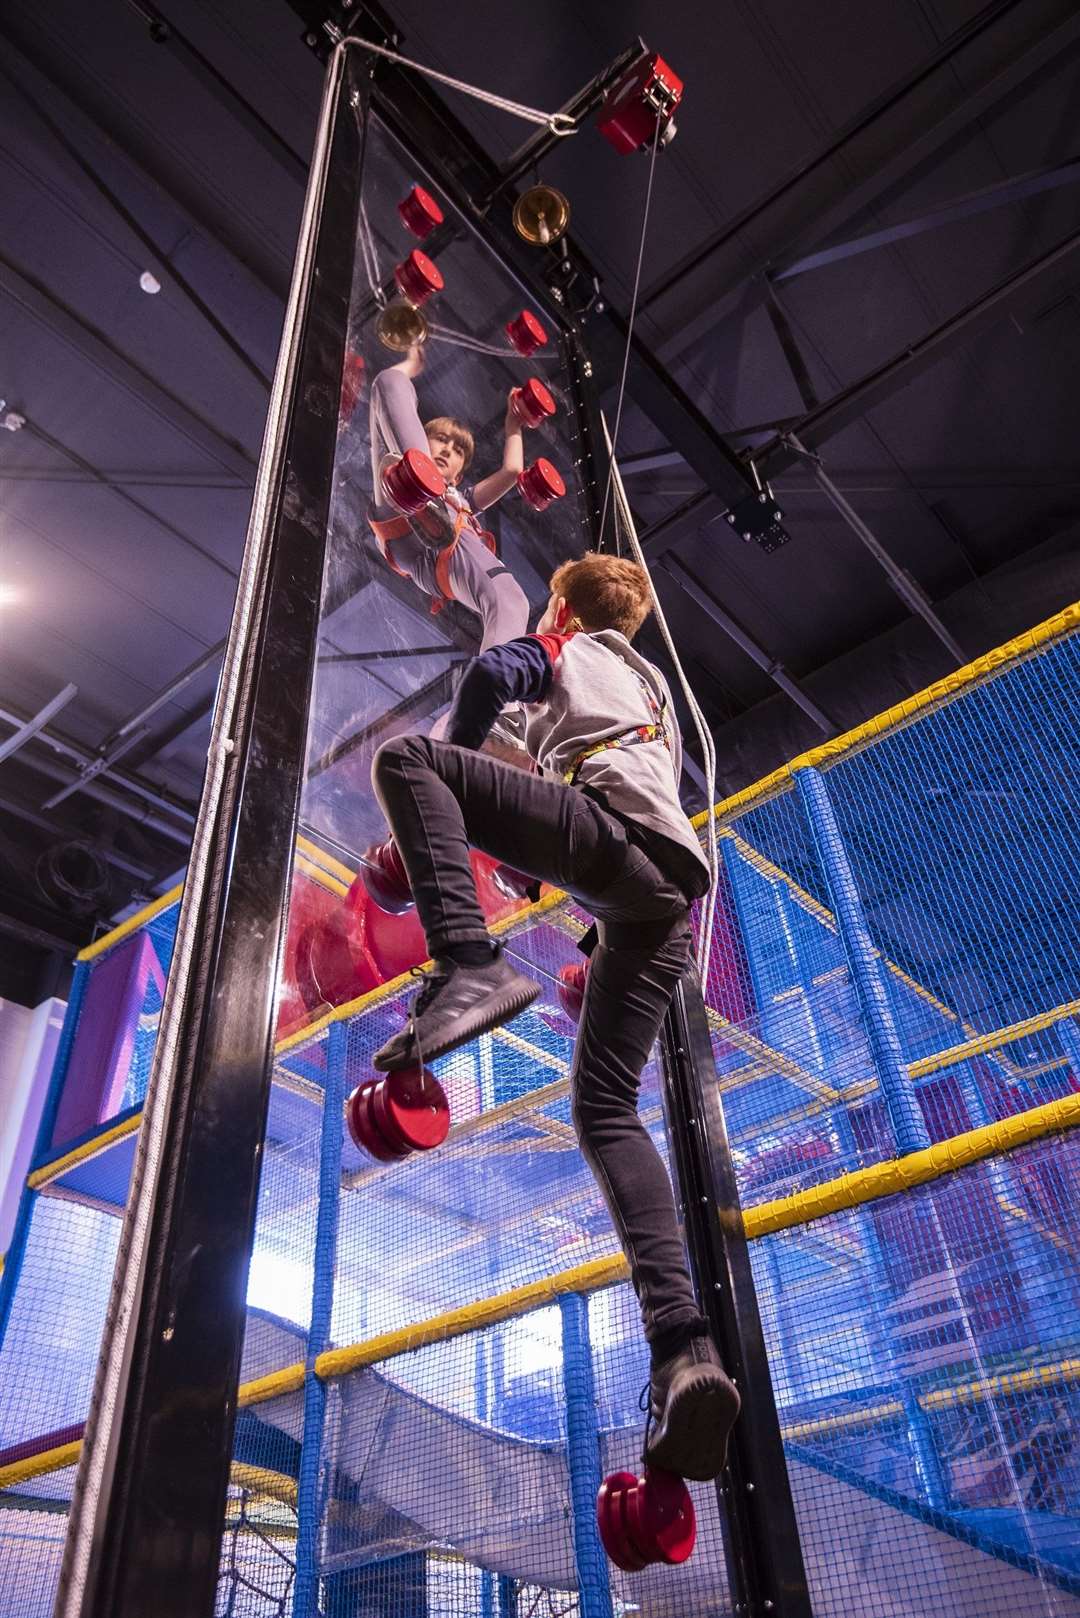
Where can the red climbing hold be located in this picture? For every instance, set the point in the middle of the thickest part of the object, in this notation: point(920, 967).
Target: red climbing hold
point(532, 403)
point(395, 1114)
point(386, 879)
point(420, 213)
point(647, 1519)
point(541, 485)
point(570, 988)
point(418, 278)
point(413, 481)
point(526, 333)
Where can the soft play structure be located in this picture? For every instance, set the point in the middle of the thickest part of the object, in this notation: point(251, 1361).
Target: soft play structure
point(893, 951)
point(442, 1358)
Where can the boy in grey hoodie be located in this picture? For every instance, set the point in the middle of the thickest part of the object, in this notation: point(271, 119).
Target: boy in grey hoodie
point(602, 819)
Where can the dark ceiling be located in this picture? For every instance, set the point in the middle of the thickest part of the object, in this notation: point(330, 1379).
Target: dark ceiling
point(924, 150)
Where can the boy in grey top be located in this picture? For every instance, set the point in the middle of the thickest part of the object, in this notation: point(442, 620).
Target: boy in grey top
point(602, 819)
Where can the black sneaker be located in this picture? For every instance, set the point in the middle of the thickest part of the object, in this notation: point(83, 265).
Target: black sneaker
point(455, 1006)
point(692, 1408)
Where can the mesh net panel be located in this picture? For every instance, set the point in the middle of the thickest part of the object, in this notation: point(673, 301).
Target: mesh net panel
point(481, 1421)
point(924, 1357)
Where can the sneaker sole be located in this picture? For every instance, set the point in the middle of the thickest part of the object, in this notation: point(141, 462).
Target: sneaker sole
point(692, 1441)
point(481, 1020)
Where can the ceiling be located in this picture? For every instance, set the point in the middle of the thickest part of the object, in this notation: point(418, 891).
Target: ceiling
point(929, 146)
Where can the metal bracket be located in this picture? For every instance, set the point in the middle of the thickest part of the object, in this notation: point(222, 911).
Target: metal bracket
point(757, 518)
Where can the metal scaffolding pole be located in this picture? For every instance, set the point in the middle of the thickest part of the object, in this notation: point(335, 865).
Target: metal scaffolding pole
point(905, 586)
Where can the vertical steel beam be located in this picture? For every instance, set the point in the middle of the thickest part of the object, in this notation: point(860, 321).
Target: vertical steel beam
point(309, 1500)
point(147, 1513)
point(764, 1554)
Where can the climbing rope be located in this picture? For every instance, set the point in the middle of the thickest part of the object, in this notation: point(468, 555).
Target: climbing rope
point(559, 123)
point(701, 725)
point(630, 321)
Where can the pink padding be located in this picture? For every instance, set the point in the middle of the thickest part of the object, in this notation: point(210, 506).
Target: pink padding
point(40, 1443)
point(105, 1038)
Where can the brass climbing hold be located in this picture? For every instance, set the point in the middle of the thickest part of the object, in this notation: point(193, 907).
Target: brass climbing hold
point(541, 215)
point(399, 326)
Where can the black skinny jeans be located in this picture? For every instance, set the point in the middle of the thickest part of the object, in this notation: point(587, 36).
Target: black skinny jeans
point(439, 801)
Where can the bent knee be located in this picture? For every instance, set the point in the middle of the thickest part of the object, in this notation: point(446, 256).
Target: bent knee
point(396, 751)
point(502, 598)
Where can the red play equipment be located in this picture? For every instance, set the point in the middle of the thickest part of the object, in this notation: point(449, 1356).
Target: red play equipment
point(643, 102)
point(526, 333)
point(395, 1114)
point(645, 1519)
point(420, 213)
point(570, 988)
point(541, 485)
point(413, 481)
point(532, 403)
point(418, 278)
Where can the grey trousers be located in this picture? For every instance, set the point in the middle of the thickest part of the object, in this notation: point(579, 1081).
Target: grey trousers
point(478, 579)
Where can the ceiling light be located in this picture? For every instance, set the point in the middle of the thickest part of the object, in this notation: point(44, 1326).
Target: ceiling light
point(8, 594)
point(149, 282)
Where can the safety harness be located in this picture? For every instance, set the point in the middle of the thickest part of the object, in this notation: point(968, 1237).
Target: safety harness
point(655, 732)
point(391, 528)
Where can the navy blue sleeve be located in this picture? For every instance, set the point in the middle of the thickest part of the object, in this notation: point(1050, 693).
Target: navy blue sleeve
point(519, 671)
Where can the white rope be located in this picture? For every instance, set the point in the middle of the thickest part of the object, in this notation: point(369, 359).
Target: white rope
point(370, 256)
point(559, 123)
point(630, 321)
point(701, 725)
point(463, 340)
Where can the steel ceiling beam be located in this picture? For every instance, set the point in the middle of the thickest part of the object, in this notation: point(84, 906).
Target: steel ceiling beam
point(1039, 280)
point(92, 475)
point(22, 812)
point(158, 255)
point(1033, 183)
point(36, 937)
point(81, 757)
point(165, 33)
point(129, 480)
point(32, 727)
point(907, 588)
point(798, 225)
point(95, 108)
point(681, 575)
point(64, 323)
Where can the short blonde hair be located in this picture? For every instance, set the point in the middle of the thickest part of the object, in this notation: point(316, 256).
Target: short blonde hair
point(605, 592)
point(456, 431)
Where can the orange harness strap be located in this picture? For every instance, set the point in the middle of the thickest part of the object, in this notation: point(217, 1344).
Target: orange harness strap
point(389, 529)
point(392, 528)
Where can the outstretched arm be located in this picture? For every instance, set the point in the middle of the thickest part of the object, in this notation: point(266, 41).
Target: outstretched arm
point(492, 488)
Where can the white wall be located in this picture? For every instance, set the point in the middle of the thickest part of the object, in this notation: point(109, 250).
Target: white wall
point(28, 1041)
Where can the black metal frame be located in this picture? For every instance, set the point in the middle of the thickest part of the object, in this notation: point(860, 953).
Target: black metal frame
point(761, 1534)
point(560, 278)
point(158, 1519)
